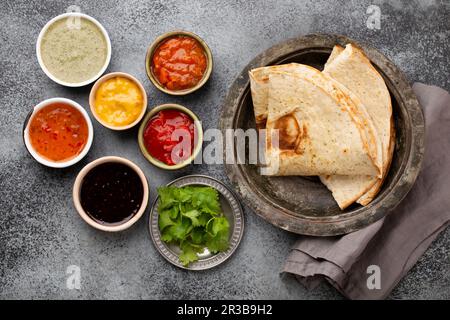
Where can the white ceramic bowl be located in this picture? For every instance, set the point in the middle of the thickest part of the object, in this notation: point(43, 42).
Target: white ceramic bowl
point(41, 159)
point(77, 188)
point(44, 68)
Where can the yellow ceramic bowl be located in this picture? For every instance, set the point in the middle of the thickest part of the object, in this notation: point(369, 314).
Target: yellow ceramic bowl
point(197, 147)
point(154, 46)
point(107, 77)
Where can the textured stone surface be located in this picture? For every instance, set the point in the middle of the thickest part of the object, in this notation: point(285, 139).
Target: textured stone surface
point(40, 232)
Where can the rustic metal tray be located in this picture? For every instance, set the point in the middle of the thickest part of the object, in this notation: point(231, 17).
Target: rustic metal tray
point(303, 205)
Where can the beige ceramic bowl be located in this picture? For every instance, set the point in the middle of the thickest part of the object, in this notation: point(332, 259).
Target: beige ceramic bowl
point(107, 77)
point(197, 147)
point(77, 189)
point(154, 46)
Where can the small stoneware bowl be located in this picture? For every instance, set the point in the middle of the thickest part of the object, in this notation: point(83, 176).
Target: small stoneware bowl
point(94, 91)
point(45, 161)
point(151, 50)
point(77, 188)
point(198, 142)
point(75, 15)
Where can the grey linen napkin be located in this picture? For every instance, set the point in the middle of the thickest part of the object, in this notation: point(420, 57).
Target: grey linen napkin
point(394, 243)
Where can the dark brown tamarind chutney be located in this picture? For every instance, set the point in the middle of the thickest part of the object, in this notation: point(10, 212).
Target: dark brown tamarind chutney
point(111, 193)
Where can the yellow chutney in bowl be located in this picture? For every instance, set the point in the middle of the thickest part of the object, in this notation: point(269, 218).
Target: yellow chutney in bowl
point(73, 49)
point(118, 100)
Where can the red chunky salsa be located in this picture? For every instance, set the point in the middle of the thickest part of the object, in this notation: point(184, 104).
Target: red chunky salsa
point(179, 63)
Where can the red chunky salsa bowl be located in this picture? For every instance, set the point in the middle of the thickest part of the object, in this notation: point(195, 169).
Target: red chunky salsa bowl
point(178, 62)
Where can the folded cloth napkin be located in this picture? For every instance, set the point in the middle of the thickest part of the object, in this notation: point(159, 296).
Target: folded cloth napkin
point(388, 248)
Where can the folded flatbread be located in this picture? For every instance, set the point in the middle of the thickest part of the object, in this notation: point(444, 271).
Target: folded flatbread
point(360, 81)
point(353, 69)
point(322, 127)
point(259, 86)
point(337, 49)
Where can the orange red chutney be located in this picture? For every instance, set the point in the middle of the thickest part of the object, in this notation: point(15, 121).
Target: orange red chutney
point(179, 63)
point(58, 132)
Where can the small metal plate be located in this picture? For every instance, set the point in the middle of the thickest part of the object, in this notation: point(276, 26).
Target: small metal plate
point(231, 209)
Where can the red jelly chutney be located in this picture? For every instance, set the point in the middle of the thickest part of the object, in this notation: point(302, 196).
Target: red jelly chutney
point(169, 136)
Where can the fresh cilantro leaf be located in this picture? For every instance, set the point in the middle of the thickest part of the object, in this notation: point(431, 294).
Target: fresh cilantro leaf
point(203, 219)
point(219, 224)
point(173, 212)
point(181, 229)
point(217, 243)
point(197, 235)
point(206, 199)
point(188, 253)
point(169, 196)
point(183, 194)
point(193, 214)
point(166, 236)
point(187, 206)
point(166, 198)
point(217, 239)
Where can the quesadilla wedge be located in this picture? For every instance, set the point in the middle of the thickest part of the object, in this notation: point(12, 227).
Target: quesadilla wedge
point(353, 69)
point(323, 129)
point(259, 81)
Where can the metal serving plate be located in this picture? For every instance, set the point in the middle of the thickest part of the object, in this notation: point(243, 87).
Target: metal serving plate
point(302, 204)
point(231, 209)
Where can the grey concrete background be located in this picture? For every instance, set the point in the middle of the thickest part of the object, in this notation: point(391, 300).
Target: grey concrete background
point(40, 232)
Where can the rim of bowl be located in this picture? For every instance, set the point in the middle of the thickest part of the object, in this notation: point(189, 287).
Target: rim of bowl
point(94, 91)
point(155, 44)
point(43, 160)
point(197, 147)
point(77, 188)
point(41, 62)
